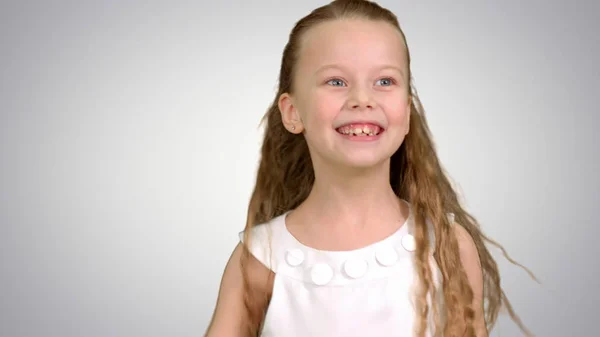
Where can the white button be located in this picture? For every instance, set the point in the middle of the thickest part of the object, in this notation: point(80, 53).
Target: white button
point(294, 257)
point(321, 274)
point(387, 255)
point(356, 268)
point(408, 242)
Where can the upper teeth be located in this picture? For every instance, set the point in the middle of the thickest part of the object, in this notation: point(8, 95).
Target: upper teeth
point(358, 131)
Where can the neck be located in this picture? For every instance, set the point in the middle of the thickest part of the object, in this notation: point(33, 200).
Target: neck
point(354, 197)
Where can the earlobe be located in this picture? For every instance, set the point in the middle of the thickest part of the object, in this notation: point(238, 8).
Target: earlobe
point(289, 115)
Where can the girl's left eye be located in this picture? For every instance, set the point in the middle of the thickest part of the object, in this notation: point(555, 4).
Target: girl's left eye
point(387, 81)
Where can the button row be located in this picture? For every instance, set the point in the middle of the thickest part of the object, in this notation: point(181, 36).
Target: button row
point(322, 273)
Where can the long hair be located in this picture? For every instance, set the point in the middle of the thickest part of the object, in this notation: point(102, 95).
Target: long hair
point(285, 178)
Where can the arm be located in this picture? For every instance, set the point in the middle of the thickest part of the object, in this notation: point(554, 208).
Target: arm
point(229, 317)
point(469, 257)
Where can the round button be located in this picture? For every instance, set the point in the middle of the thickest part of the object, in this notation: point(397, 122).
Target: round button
point(408, 242)
point(321, 274)
point(387, 256)
point(356, 268)
point(294, 257)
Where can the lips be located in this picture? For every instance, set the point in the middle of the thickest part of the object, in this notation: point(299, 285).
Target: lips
point(360, 129)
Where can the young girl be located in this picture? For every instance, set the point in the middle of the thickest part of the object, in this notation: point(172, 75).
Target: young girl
point(353, 228)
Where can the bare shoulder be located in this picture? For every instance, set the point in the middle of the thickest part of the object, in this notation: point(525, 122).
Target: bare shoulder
point(469, 256)
point(466, 245)
point(229, 316)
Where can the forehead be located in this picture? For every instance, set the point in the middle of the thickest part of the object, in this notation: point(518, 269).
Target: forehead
point(355, 44)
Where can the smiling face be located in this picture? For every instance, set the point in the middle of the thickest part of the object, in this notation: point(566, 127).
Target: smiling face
point(350, 94)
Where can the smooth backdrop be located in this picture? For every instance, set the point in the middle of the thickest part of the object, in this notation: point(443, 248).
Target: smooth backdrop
point(129, 141)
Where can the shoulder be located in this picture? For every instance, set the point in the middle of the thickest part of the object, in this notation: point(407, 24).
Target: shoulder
point(229, 315)
point(470, 260)
point(264, 241)
point(247, 274)
point(469, 256)
point(466, 244)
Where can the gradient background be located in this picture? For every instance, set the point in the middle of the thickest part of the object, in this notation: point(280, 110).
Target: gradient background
point(129, 143)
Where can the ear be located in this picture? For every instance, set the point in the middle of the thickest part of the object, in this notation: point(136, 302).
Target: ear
point(289, 114)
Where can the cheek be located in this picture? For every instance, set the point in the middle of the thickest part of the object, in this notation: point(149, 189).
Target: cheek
point(397, 112)
point(323, 110)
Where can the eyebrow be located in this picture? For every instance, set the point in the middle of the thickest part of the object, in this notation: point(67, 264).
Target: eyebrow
point(339, 67)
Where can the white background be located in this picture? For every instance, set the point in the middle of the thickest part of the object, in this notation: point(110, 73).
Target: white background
point(129, 142)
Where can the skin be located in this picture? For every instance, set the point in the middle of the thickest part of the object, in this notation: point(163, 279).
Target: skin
point(347, 70)
point(470, 260)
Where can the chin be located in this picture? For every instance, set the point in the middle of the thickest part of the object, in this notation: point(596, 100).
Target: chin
point(364, 162)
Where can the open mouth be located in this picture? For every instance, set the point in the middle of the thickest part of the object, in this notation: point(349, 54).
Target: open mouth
point(360, 130)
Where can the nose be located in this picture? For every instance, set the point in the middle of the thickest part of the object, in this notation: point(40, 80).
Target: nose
point(360, 98)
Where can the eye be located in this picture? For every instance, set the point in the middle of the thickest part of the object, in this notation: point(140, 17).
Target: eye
point(388, 81)
point(336, 82)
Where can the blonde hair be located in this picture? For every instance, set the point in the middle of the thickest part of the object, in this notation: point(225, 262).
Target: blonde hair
point(285, 177)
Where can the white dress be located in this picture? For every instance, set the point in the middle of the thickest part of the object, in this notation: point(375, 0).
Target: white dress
point(357, 293)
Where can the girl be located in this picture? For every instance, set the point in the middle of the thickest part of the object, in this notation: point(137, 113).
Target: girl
point(353, 228)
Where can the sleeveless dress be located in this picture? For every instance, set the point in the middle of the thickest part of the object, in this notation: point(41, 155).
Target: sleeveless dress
point(358, 293)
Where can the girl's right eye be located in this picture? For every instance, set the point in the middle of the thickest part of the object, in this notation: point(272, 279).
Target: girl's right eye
point(335, 82)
